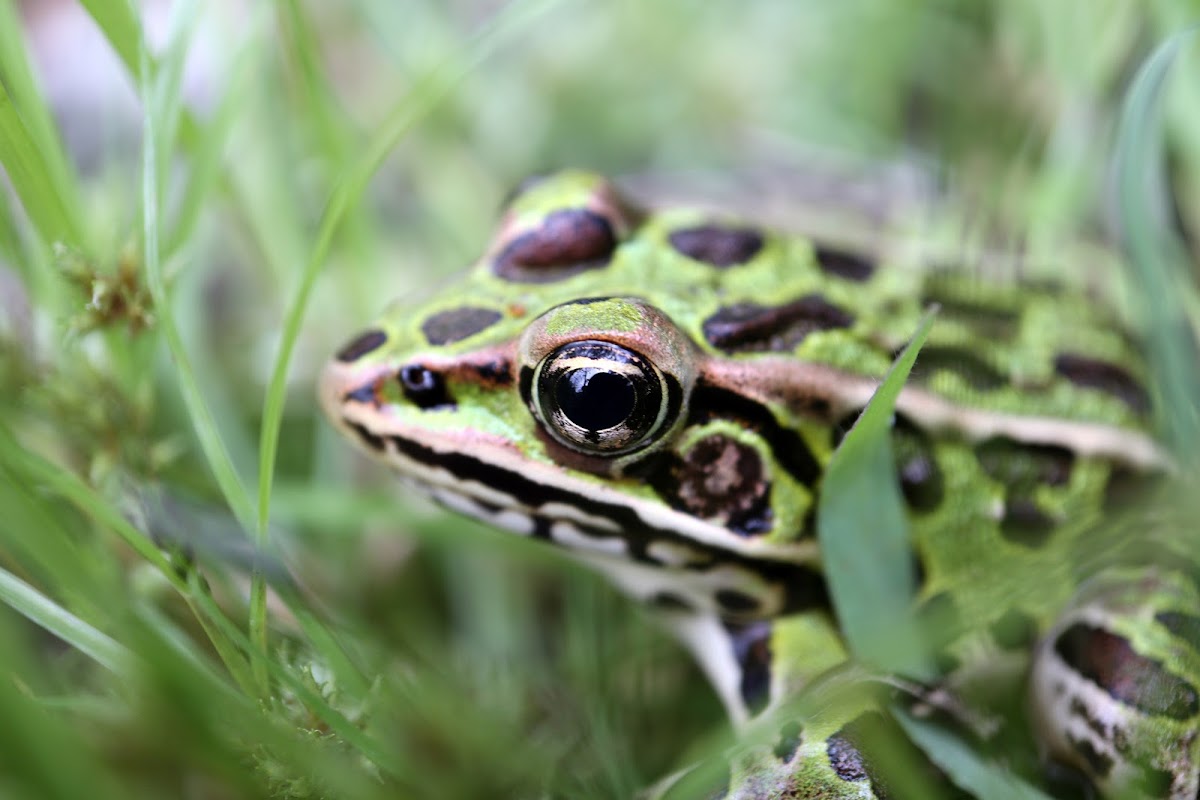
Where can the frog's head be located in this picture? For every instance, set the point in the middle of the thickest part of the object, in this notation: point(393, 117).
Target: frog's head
point(564, 390)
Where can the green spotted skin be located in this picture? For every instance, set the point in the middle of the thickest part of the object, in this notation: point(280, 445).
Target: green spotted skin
point(657, 393)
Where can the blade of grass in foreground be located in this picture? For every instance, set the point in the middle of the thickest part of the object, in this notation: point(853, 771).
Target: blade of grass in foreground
point(163, 107)
point(865, 545)
point(863, 533)
point(32, 177)
point(42, 611)
point(18, 83)
point(417, 104)
point(963, 766)
point(1155, 257)
point(121, 27)
point(39, 472)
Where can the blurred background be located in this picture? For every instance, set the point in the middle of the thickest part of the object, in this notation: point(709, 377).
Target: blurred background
point(307, 162)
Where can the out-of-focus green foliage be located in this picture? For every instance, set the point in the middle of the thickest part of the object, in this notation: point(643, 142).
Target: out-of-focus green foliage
point(189, 227)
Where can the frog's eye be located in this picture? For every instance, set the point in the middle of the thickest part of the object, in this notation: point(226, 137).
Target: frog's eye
point(600, 398)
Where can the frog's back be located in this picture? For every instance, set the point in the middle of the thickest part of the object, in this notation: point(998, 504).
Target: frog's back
point(659, 393)
point(741, 292)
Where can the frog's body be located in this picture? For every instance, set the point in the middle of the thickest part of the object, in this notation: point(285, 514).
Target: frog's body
point(659, 393)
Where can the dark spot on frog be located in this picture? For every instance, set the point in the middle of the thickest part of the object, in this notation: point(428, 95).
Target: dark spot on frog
point(717, 245)
point(360, 345)
point(1185, 627)
point(541, 528)
point(1091, 373)
point(1079, 708)
point(850, 750)
point(790, 449)
point(1067, 782)
point(721, 480)
point(806, 590)
point(1024, 523)
point(752, 650)
point(1014, 630)
point(754, 328)
point(843, 264)
point(974, 371)
point(494, 373)
point(669, 601)
point(872, 739)
point(1021, 466)
point(735, 602)
point(1110, 662)
point(423, 387)
point(791, 734)
point(845, 759)
point(1099, 763)
point(921, 479)
point(986, 320)
point(456, 324)
point(565, 243)
point(372, 441)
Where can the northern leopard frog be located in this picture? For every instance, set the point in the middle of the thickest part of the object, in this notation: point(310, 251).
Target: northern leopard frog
point(658, 393)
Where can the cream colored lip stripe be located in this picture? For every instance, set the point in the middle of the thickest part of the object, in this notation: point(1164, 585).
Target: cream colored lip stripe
point(556, 488)
point(847, 392)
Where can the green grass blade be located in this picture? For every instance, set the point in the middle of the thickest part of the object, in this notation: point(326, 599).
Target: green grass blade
point(1156, 258)
point(41, 473)
point(303, 47)
point(337, 722)
point(17, 80)
point(120, 25)
point(36, 471)
point(416, 105)
point(32, 177)
point(157, 120)
point(211, 141)
point(863, 532)
point(964, 766)
point(42, 611)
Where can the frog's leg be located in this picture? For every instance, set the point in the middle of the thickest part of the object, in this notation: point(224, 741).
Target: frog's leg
point(1115, 685)
point(758, 668)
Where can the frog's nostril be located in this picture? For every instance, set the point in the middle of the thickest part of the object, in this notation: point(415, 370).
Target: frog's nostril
point(423, 387)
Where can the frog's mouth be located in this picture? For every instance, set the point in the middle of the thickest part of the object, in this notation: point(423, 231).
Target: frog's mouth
point(654, 552)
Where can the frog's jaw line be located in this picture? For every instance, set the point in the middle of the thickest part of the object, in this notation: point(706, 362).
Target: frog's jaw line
point(635, 543)
point(700, 630)
point(492, 472)
point(610, 557)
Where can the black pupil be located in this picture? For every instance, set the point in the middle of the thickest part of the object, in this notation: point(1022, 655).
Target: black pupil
point(595, 399)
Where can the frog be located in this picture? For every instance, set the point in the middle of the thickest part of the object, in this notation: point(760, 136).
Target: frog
point(657, 391)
